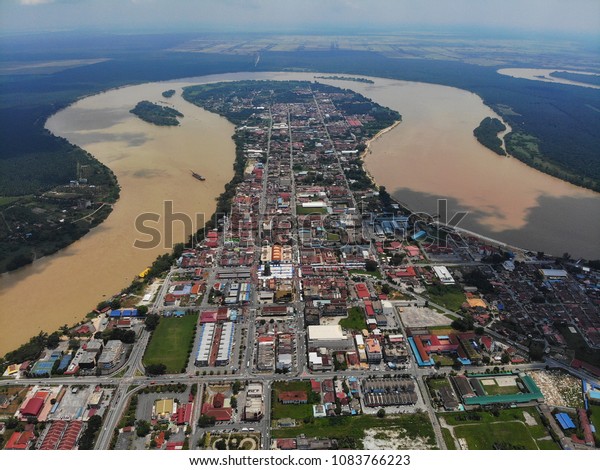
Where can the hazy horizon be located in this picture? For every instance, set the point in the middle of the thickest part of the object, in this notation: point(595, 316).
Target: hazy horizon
point(510, 17)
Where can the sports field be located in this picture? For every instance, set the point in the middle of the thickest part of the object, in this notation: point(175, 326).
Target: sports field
point(171, 341)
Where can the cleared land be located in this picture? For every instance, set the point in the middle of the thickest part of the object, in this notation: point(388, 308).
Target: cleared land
point(351, 430)
point(512, 429)
point(171, 341)
point(422, 317)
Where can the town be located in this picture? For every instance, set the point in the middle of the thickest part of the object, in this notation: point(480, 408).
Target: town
point(314, 311)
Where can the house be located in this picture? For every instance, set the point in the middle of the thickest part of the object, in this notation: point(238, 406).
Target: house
point(294, 397)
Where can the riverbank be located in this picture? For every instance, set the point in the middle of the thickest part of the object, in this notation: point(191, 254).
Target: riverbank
point(152, 165)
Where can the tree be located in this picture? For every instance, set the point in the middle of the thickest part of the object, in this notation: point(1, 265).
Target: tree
point(505, 358)
point(236, 387)
point(152, 321)
point(371, 266)
point(385, 289)
point(142, 309)
point(233, 402)
point(206, 421)
point(53, 340)
point(221, 445)
point(156, 369)
point(142, 428)
point(381, 413)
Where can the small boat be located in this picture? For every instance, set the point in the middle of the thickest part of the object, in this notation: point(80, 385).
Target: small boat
point(197, 176)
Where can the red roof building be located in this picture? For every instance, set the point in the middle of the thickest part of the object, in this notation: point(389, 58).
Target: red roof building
point(295, 397)
point(19, 440)
point(33, 407)
point(362, 291)
point(184, 414)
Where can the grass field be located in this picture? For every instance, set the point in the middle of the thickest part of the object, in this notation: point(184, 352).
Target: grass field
point(355, 320)
point(170, 342)
point(343, 427)
point(437, 384)
point(297, 412)
point(310, 210)
point(451, 297)
point(450, 444)
point(509, 428)
point(500, 390)
point(362, 272)
point(595, 418)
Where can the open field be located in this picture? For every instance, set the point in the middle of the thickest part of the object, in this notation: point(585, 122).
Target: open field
point(355, 320)
point(423, 317)
point(353, 429)
point(170, 342)
point(492, 387)
point(451, 297)
point(519, 428)
point(595, 418)
point(297, 412)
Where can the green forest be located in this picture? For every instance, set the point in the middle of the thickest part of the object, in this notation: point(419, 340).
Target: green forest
point(156, 114)
point(487, 134)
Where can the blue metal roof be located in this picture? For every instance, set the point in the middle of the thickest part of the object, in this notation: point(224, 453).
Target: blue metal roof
point(565, 421)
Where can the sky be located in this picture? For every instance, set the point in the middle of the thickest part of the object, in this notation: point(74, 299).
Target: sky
point(542, 16)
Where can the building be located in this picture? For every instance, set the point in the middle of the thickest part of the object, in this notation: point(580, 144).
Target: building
point(111, 354)
point(163, 409)
point(293, 398)
point(207, 332)
point(20, 440)
point(443, 275)
point(328, 336)
point(373, 349)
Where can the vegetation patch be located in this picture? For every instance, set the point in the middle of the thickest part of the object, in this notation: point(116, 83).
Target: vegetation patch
point(451, 297)
point(519, 428)
point(355, 320)
point(487, 134)
point(156, 114)
point(171, 343)
point(299, 412)
point(350, 431)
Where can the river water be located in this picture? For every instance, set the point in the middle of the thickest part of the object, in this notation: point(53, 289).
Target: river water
point(432, 154)
point(543, 75)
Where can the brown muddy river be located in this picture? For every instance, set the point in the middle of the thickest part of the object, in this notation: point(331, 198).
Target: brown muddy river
point(432, 154)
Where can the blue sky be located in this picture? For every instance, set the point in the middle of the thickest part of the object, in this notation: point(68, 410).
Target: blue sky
point(560, 16)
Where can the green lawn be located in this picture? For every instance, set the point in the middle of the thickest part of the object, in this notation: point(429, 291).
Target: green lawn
point(437, 384)
point(595, 418)
point(362, 272)
point(507, 428)
point(310, 210)
point(451, 297)
point(353, 427)
point(482, 436)
point(498, 390)
point(297, 412)
point(355, 320)
point(170, 342)
point(448, 439)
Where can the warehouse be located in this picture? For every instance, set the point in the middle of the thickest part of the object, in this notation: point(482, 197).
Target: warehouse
point(329, 336)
